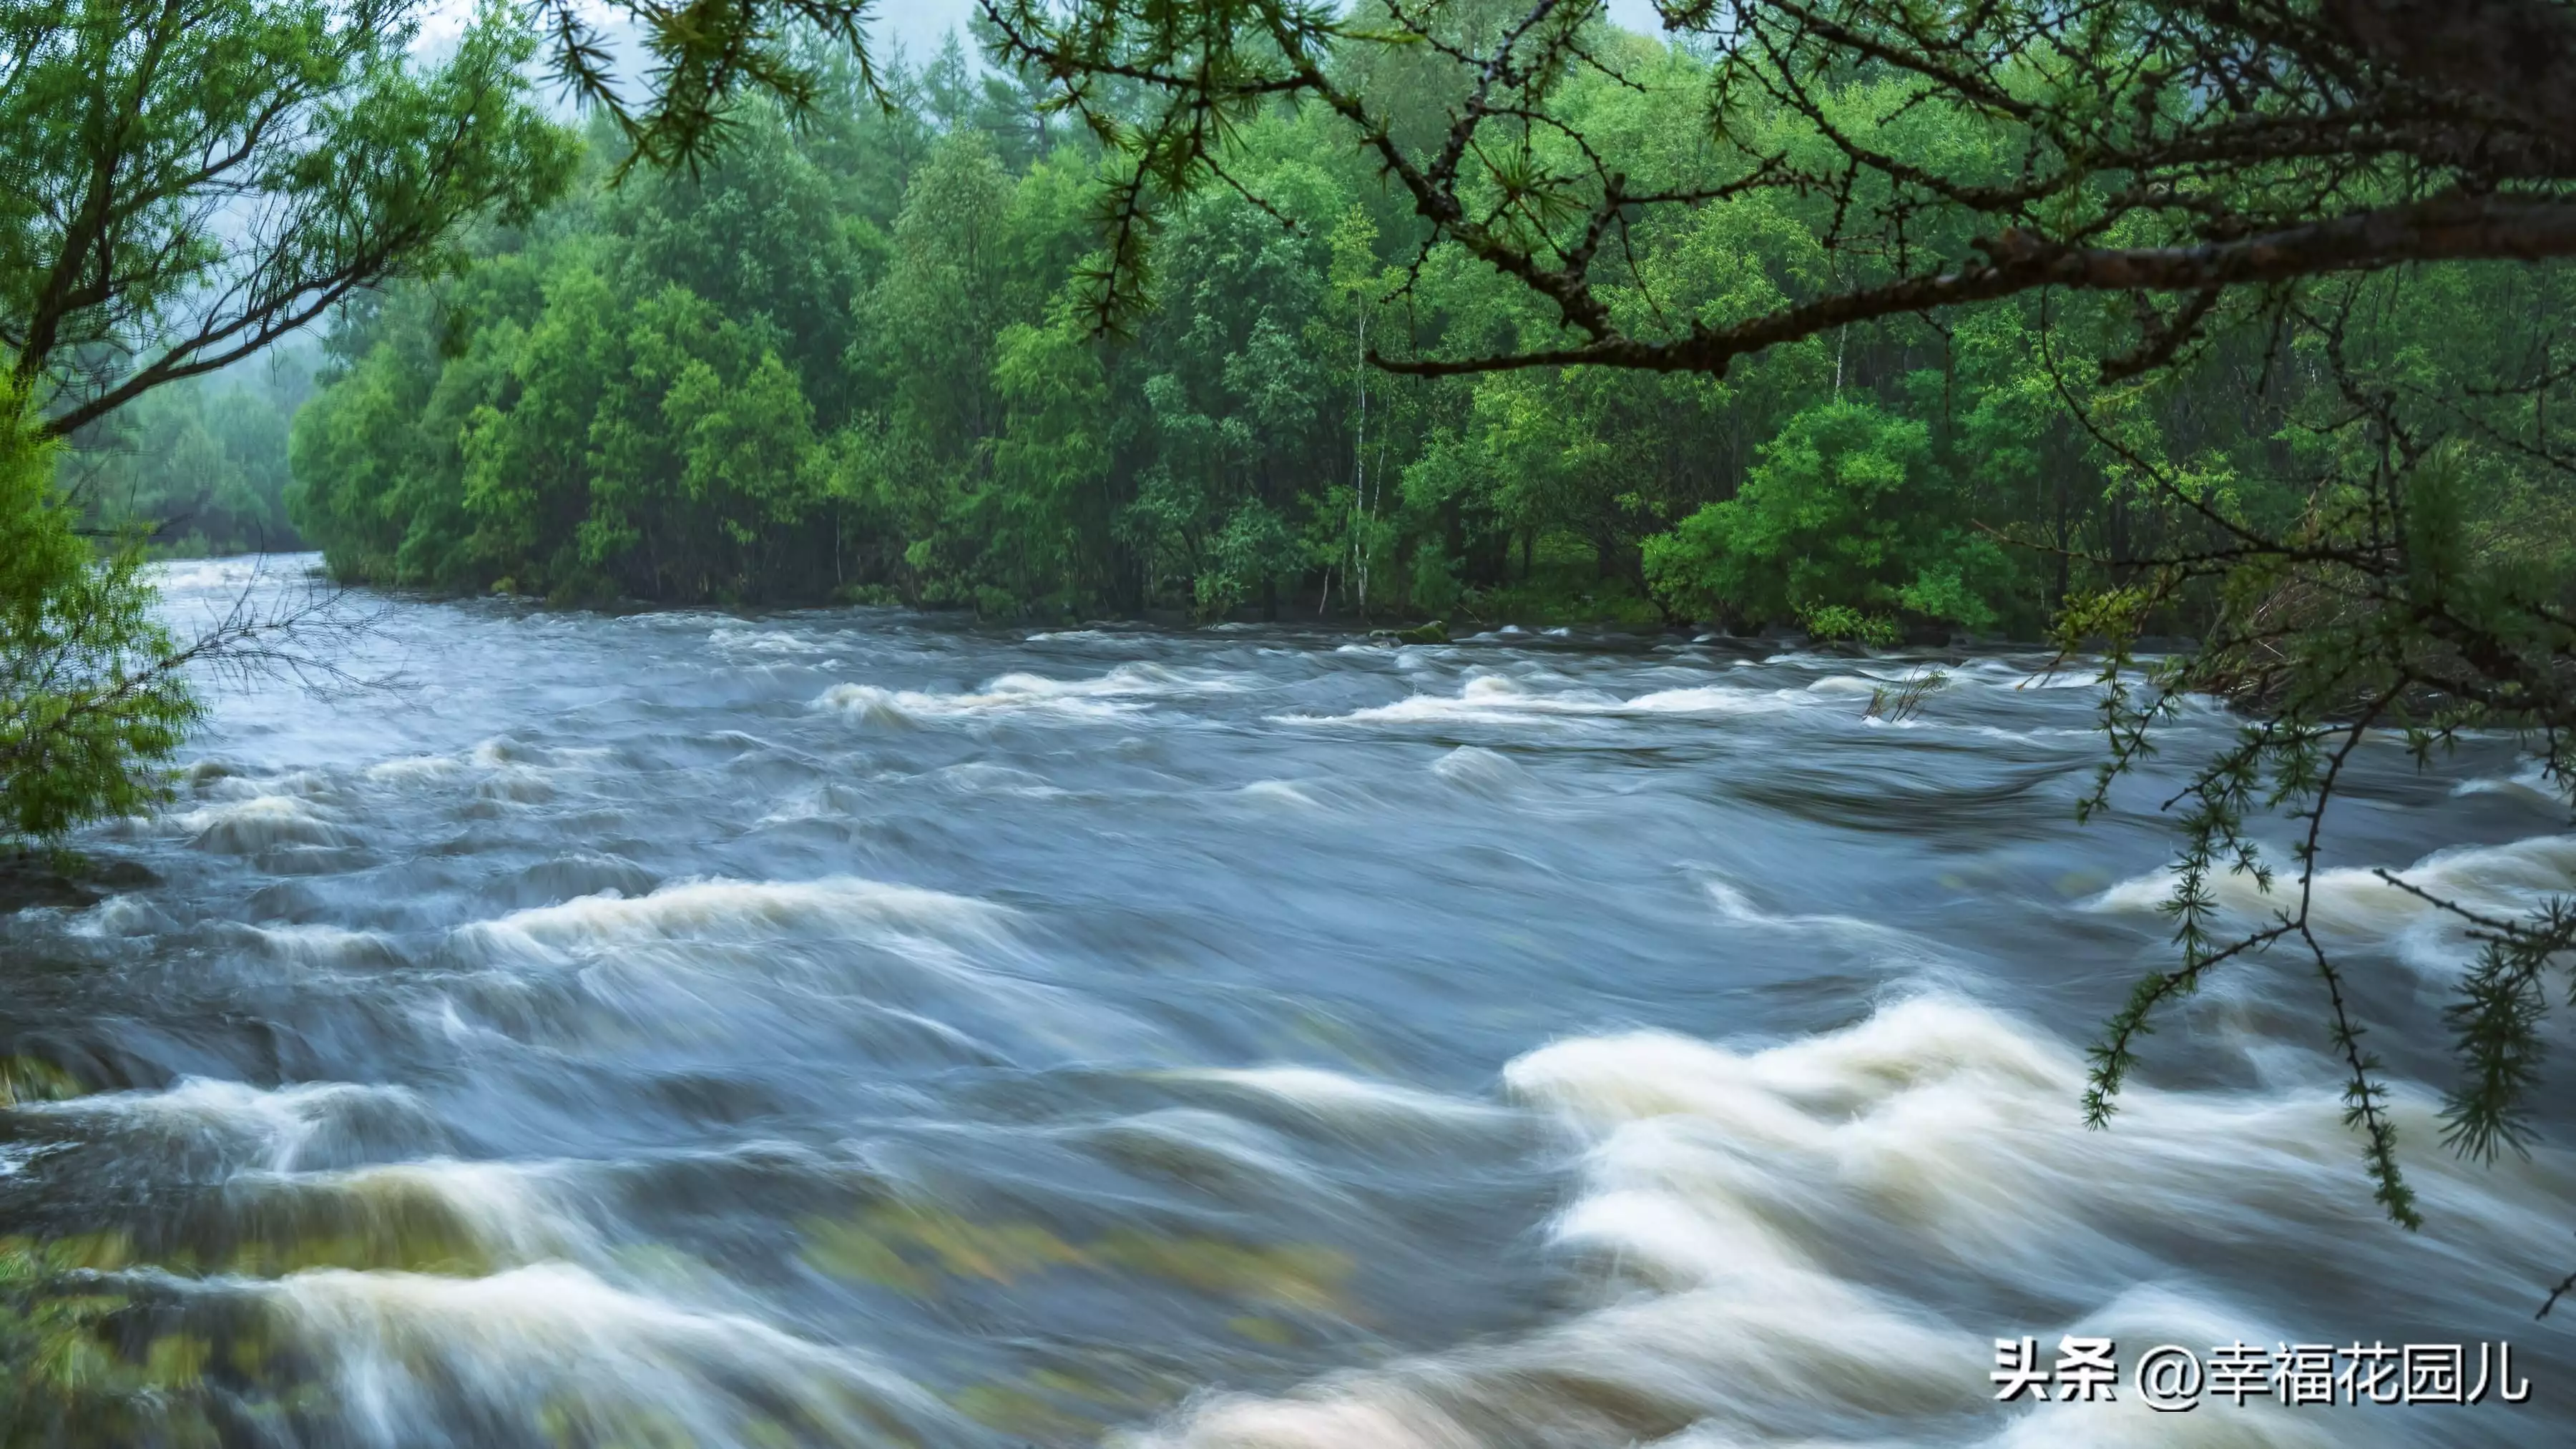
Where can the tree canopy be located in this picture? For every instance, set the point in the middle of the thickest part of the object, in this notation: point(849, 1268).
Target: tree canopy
point(1968, 153)
point(187, 182)
point(190, 180)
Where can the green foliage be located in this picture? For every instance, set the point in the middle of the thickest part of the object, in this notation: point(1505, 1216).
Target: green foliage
point(853, 357)
point(1835, 623)
point(1847, 512)
point(93, 689)
point(1906, 700)
point(189, 182)
point(199, 466)
point(703, 63)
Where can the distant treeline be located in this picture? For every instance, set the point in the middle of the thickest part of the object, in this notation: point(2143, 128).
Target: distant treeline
point(849, 362)
point(198, 467)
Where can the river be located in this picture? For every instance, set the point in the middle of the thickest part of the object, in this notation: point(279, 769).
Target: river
point(855, 1027)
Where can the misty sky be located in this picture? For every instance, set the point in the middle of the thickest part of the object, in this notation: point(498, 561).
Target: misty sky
point(920, 23)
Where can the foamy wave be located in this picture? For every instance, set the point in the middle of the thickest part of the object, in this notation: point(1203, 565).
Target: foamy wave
point(1500, 699)
point(122, 916)
point(1723, 1188)
point(1124, 690)
point(459, 1214)
point(246, 827)
point(1340, 1097)
point(900, 708)
point(2532, 782)
point(215, 779)
point(977, 777)
point(773, 642)
point(737, 910)
point(414, 769)
point(1285, 792)
point(325, 945)
point(2491, 880)
point(183, 575)
point(554, 1341)
point(190, 575)
point(1735, 906)
point(276, 1128)
point(502, 753)
point(1483, 771)
point(508, 1207)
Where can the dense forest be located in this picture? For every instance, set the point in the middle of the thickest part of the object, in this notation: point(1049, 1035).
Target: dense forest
point(199, 467)
point(844, 362)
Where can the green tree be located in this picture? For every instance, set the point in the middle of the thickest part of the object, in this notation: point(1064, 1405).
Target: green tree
point(200, 466)
point(190, 181)
point(193, 179)
point(1044, 518)
point(759, 234)
point(93, 688)
point(1845, 509)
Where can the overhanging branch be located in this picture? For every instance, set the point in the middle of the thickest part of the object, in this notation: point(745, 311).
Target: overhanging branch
point(2454, 227)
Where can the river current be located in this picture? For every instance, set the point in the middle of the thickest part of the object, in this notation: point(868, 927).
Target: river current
point(855, 1027)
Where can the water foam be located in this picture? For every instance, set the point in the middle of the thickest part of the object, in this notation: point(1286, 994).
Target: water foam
point(976, 777)
point(1125, 690)
point(2532, 782)
point(1737, 908)
point(1481, 771)
point(188, 575)
point(1502, 699)
point(324, 946)
point(555, 1341)
point(415, 769)
point(2503, 881)
point(275, 1129)
point(1342, 1098)
point(123, 916)
point(247, 827)
point(773, 642)
point(1284, 792)
point(1721, 1189)
point(904, 708)
point(736, 910)
point(508, 1208)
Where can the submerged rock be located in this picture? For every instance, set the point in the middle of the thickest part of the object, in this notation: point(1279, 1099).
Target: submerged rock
point(35, 878)
point(1435, 632)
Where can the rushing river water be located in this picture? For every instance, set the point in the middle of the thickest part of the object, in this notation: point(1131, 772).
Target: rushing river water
point(856, 1028)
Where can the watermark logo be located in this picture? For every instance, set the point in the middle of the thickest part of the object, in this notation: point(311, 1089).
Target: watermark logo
point(2172, 1378)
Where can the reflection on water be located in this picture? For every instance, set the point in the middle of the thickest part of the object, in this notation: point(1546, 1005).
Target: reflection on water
point(847, 1028)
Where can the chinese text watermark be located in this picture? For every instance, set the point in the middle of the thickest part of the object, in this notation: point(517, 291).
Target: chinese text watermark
point(2172, 1378)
